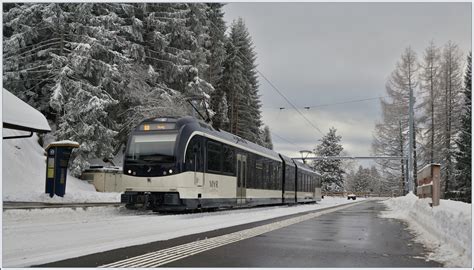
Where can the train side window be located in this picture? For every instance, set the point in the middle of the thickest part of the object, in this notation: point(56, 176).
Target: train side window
point(302, 182)
point(214, 156)
point(258, 173)
point(194, 156)
point(298, 182)
point(250, 171)
point(253, 167)
point(307, 182)
point(305, 185)
point(292, 179)
point(275, 175)
point(228, 159)
point(269, 175)
point(272, 175)
point(280, 175)
point(287, 178)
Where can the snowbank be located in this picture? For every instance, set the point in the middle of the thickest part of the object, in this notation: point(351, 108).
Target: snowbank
point(444, 229)
point(24, 172)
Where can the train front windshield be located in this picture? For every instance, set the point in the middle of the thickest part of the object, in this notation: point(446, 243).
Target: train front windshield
point(152, 148)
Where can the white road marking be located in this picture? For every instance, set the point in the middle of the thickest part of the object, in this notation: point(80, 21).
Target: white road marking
point(164, 256)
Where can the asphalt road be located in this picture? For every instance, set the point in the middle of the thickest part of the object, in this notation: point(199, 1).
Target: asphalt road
point(352, 237)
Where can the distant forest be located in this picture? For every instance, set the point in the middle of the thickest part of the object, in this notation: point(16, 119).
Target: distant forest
point(97, 69)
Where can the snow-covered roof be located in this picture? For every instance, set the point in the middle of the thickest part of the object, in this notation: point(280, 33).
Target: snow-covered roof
point(65, 143)
point(17, 114)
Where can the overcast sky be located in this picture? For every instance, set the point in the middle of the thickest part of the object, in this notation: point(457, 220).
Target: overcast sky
point(320, 53)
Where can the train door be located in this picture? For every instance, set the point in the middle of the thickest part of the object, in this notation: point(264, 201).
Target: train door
point(241, 178)
point(198, 160)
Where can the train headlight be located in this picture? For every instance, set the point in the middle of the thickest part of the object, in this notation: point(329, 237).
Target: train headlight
point(170, 171)
point(129, 171)
point(164, 172)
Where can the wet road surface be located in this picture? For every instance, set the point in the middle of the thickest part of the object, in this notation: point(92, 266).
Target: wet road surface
point(353, 237)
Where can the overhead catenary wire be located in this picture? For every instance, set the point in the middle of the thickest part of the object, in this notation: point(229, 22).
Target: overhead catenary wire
point(277, 90)
point(335, 103)
point(286, 140)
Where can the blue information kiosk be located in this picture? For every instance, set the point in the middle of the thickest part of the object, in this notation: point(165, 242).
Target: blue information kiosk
point(58, 154)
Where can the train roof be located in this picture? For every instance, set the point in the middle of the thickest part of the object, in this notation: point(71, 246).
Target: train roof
point(201, 126)
point(304, 167)
point(288, 161)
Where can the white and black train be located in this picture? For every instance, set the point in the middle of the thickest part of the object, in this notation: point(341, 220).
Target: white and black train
point(179, 164)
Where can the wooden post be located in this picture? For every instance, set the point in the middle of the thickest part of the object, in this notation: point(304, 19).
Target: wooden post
point(436, 175)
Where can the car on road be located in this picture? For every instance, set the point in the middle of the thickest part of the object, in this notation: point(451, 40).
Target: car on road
point(351, 196)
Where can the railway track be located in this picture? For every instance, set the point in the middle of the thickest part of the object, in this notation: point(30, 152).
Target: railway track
point(41, 205)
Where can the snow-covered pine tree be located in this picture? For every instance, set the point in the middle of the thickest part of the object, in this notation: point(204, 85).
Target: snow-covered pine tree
point(168, 42)
point(464, 142)
point(331, 170)
point(429, 85)
point(365, 180)
point(90, 78)
point(250, 73)
point(376, 180)
point(198, 24)
point(448, 112)
point(266, 137)
point(32, 34)
point(349, 178)
point(216, 58)
point(391, 135)
point(362, 180)
point(239, 81)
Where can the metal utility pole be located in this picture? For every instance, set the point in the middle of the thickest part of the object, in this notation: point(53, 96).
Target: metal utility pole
point(410, 140)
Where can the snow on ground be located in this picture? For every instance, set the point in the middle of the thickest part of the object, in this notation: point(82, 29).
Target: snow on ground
point(24, 172)
point(32, 237)
point(445, 229)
